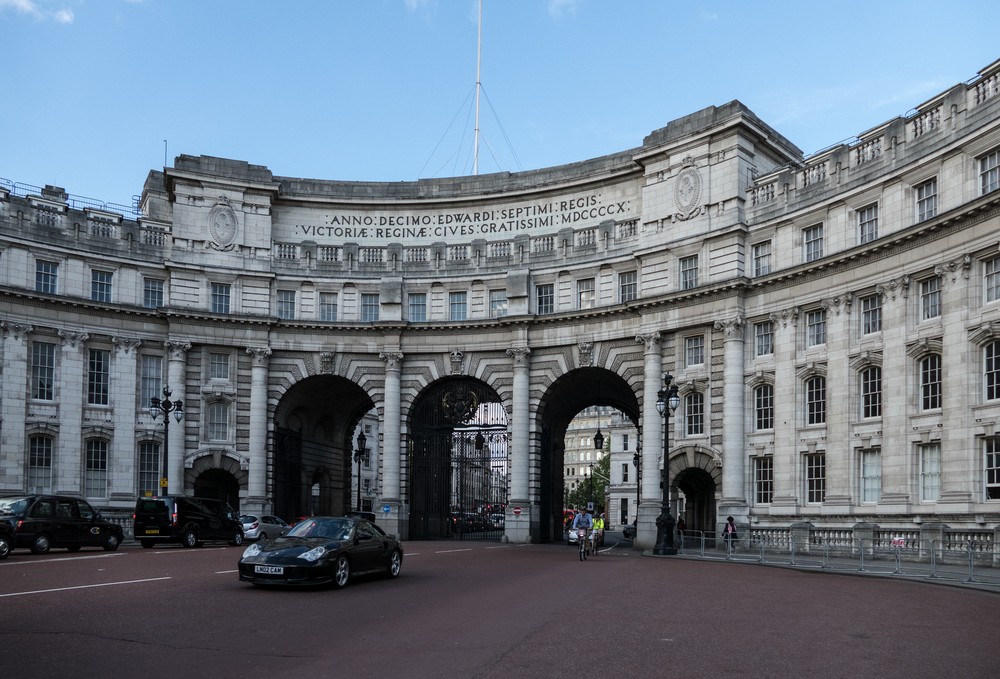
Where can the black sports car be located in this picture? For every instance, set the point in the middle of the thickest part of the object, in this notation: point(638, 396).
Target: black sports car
point(322, 549)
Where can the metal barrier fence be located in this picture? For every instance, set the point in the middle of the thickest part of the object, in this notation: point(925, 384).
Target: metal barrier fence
point(971, 563)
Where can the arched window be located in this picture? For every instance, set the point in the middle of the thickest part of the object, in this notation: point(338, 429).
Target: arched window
point(763, 407)
point(694, 414)
point(930, 382)
point(871, 392)
point(816, 400)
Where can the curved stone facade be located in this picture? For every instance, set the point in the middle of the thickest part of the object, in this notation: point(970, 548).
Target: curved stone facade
point(832, 323)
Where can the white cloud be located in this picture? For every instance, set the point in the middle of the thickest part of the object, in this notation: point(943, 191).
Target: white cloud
point(33, 9)
point(559, 7)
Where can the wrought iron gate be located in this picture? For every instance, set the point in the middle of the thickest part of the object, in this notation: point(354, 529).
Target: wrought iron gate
point(458, 463)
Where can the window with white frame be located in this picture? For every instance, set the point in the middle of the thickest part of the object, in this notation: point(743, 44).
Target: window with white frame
point(100, 286)
point(40, 464)
point(95, 477)
point(871, 475)
point(815, 327)
point(868, 223)
point(148, 468)
point(498, 303)
point(930, 298)
point(328, 306)
point(989, 172)
point(871, 392)
point(763, 480)
point(991, 370)
point(417, 304)
point(763, 334)
point(991, 453)
point(43, 370)
point(763, 405)
point(284, 307)
point(930, 471)
point(586, 297)
point(458, 306)
point(152, 293)
point(46, 276)
point(930, 382)
point(871, 314)
point(150, 378)
point(816, 400)
point(694, 414)
point(991, 279)
point(545, 298)
point(689, 272)
point(220, 295)
point(815, 477)
point(628, 286)
point(217, 426)
point(369, 307)
point(926, 195)
point(98, 377)
point(694, 351)
point(812, 242)
point(761, 257)
point(218, 366)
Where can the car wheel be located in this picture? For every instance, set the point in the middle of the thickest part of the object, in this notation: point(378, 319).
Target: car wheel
point(111, 542)
point(341, 572)
point(189, 539)
point(4, 548)
point(262, 536)
point(237, 539)
point(41, 544)
point(395, 563)
point(74, 548)
point(147, 544)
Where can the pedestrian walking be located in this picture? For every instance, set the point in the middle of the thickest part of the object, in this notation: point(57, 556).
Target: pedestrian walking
point(730, 534)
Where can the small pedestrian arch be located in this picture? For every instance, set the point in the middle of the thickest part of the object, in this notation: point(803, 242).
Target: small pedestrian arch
point(696, 482)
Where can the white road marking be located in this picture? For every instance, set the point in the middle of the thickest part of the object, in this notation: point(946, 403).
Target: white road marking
point(225, 572)
point(18, 562)
point(449, 551)
point(103, 584)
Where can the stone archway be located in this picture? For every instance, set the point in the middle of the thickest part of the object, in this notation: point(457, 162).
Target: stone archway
point(457, 462)
point(697, 474)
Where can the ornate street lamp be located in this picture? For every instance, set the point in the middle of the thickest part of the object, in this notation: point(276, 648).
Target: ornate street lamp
point(165, 406)
point(666, 403)
point(359, 455)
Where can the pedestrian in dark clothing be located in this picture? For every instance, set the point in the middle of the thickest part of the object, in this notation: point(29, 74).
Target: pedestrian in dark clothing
point(730, 534)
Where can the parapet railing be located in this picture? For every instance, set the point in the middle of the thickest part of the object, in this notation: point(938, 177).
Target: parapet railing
point(972, 562)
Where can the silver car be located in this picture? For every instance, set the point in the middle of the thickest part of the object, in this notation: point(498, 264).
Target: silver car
point(263, 526)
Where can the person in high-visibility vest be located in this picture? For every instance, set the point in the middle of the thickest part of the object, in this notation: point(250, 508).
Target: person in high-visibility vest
point(597, 534)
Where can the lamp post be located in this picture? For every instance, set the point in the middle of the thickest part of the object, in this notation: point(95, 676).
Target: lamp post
point(636, 460)
point(590, 489)
point(165, 406)
point(666, 402)
point(359, 455)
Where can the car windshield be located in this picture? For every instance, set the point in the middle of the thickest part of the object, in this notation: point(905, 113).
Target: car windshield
point(12, 505)
point(333, 529)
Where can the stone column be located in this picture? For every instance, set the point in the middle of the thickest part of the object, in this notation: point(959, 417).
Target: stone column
point(67, 476)
point(392, 444)
point(15, 384)
point(176, 362)
point(650, 496)
point(734, 499)
point(122, 454)
point(257, 481)
point(517, 528)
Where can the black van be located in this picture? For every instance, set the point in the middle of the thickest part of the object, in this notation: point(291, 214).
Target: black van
point(41, 522)
point(187, 520)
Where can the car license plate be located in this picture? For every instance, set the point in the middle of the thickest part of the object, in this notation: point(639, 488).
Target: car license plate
point(269, 570)
point(152, 531)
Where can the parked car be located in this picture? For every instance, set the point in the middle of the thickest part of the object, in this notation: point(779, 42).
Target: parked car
point(189, 521)
point(320, 550)
point(628, 530)
point(6, 539)
point(262, 526)
point(41, 522)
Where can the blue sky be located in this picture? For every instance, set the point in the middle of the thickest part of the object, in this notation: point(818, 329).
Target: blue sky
point(383, 90)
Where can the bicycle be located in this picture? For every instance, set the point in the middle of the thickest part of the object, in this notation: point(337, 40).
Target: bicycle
point(581, 538)
point(593, 543)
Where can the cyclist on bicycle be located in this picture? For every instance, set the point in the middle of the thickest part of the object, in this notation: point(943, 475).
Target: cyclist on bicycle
point(585, 522)
point(597, 535)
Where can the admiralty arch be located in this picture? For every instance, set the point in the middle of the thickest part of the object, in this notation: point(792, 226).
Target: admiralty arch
point(831, 322)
